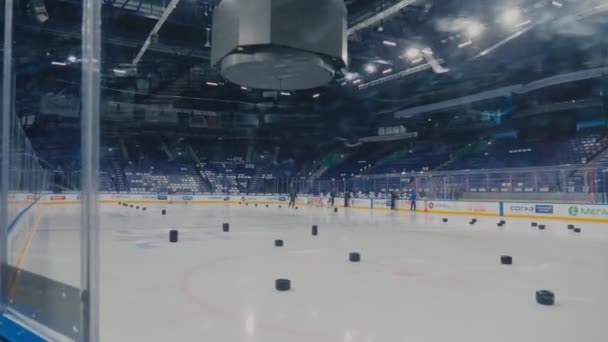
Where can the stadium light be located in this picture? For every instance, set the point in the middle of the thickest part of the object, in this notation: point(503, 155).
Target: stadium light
point(58, 63)
point(370, 68)
point(284, 93)
point(72, 59)
point(467, 43)
point(412, 53)
point(350, 76)
point(389, 43)
point(511, 17)
point(316, 96)
point(213, 84)
point(474, 29)
point(387, 71)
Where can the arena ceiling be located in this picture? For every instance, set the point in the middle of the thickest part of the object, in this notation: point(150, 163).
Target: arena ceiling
point(403, 54)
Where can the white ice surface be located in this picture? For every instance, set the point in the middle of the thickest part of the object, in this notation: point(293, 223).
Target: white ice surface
point(419, 279)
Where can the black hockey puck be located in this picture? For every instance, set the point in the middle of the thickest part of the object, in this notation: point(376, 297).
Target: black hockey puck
point(354, 257)
point(577, 230)
point(164, 212)
point(278, 243)
point(226, 227)
point(445, 219)
point(137, 207)
point(570, 226)
point(335, 210)
point(131, 206)
point(544, 297)
point(534, 224)
point(266, 205)
point(541, 227)
point(474, 220)
point(279, 207)
point(144, 209)
point(315, 230)
point(296, 208)
point(506, 260)
point(282, 284)
point(173, 236)
point(256, 204)
point(503, 222)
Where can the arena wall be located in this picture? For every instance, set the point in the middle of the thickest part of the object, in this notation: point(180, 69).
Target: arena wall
point(558, 211)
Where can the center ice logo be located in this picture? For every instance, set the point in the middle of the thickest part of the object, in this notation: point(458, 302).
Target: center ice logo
point(573, 211)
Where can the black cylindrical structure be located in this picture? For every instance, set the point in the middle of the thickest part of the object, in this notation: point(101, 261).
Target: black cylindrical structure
point(173, 236)
point(282, 284)
point(545, 297)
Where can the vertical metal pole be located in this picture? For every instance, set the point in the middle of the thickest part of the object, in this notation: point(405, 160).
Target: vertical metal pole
point(488, 183)
point(5, 149)
point(91, 54)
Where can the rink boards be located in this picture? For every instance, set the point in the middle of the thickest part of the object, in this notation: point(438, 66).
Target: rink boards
point(530, 210)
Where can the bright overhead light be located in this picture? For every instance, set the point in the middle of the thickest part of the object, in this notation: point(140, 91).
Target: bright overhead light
point(412, 53)
point(387, 71)
point(474, 29)
point(120, 71)
point(350, 76)
point(371, 68)
point(316, 96)
point(357, 81)
point(213, 84)
point(58, 63)
point(427, 51)
point(284, 93)
point(389, 43)
point(244, 88)
point(72, 59)
point(511, 17)
point(557, 4)
point(417, 60)
point(467, 43)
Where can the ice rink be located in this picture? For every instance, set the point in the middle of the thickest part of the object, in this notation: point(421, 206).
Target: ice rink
point(419, 279)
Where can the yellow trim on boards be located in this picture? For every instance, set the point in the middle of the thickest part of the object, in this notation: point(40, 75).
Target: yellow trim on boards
point(23, 253)
point(560, 218)
point(439, 212)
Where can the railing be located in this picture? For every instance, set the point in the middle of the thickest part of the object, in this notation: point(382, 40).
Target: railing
point(571, 183)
